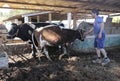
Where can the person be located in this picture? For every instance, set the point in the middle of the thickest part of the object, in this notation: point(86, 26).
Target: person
point(99, 33)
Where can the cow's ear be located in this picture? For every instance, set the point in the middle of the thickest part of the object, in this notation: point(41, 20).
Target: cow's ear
point(29, 32)
point(14, 25)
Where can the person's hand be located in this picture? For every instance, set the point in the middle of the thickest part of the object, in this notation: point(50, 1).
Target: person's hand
point(84, 34)
point(99, 35)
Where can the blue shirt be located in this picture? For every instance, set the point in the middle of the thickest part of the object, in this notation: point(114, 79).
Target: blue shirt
point(97, 22)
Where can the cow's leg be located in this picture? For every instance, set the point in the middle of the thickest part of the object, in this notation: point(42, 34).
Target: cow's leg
point(46, 53)
point(43, 47)
point(38, 52)
point(64, 52)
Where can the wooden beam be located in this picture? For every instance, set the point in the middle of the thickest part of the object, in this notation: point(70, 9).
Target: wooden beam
point(50, 17)
point(26, 9)
point(38, 19)
point(115, 14)
point(89, 5)
point(33, 6)
point(22, 3)
point(37, 8)
point(26, 19)
point(74, 20)
point(30, 19)
point(60, 5)
point(37, 13)
point(69, 18)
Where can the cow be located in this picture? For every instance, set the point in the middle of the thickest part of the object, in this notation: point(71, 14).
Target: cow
point(53, 35)
point(24, 31)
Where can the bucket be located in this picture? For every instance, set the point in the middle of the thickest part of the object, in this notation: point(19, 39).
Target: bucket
point(3, 60)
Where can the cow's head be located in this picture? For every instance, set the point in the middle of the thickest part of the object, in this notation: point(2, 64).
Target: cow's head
point(13, 32)
point(81, 33)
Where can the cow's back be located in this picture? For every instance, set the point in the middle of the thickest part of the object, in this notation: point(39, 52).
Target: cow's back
point(41, 24)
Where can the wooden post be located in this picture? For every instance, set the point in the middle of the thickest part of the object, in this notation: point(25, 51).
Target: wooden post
point(50, 17)
point(29, 19)
point(26, 19)
point(38, 19)
point(16, 21)
point(74, 20)
point(69, 18)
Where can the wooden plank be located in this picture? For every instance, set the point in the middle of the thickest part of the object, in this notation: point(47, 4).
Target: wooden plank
point(38, 19)
point(63, 5)
point(14, 5)
point(74, 20)
point(35, 4)
point(50, 17)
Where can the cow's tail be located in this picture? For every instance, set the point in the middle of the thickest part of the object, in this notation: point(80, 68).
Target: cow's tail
point(34, 41)
point(39, 55)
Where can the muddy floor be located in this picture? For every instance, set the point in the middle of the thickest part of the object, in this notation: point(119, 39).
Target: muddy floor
point(75, 67)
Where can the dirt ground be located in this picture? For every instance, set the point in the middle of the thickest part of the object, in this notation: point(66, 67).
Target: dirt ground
point(76, 67)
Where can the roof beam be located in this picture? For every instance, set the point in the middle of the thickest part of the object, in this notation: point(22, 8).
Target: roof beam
point(101, 7)
point(22, 3)
point(59, 5)
point(15, 5)
point(37, 13)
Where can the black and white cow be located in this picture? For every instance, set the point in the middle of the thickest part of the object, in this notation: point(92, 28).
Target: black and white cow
point(52, 35)
point(24, 31)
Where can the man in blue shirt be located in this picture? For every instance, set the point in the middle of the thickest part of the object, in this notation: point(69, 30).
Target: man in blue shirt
point(99, 33)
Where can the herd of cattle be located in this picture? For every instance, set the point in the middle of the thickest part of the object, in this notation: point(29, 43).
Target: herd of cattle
point(42, 35)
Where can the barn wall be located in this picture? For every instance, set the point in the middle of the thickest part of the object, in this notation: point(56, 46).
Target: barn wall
point(110, 28)
point(88, 44)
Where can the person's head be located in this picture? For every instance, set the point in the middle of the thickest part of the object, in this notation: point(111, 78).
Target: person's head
point(94, 12)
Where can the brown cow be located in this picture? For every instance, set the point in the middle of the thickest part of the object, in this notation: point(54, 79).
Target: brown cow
point(53, 35)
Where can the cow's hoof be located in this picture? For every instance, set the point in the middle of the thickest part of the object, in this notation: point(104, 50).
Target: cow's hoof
point(37, 60)
point(34, 56)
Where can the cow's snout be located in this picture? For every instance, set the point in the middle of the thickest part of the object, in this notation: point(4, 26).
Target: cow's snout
point(82, 39)
point(9, 37)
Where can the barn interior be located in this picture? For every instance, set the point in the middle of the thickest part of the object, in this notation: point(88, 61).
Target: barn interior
point(76, 67)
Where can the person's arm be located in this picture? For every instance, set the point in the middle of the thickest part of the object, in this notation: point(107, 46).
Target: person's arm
point(89, 31)
point(101, 29)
